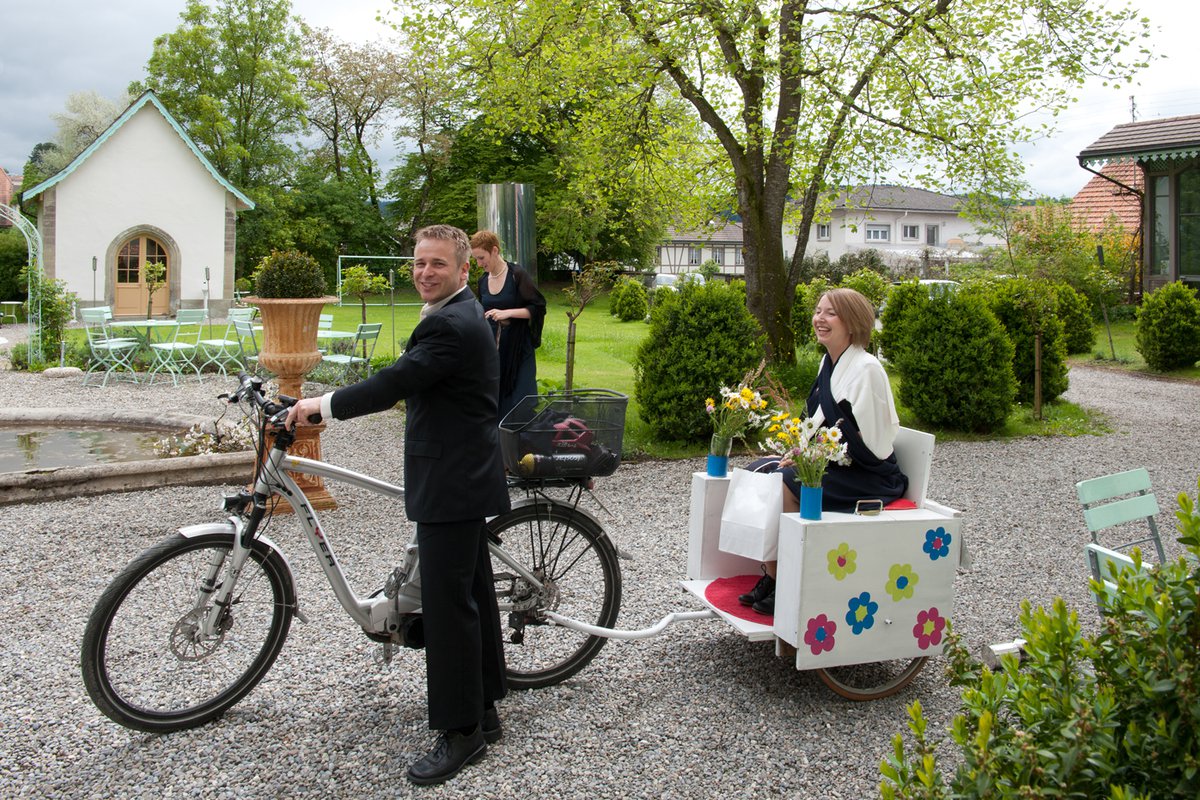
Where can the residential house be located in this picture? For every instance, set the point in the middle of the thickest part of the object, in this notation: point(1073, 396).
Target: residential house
point(1167, 154)
point(904, 224)
point(9, 184)
point(1114, 196)
point(142, 192)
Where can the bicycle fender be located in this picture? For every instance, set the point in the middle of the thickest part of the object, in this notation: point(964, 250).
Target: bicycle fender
point(203, 529)
point(532, 501)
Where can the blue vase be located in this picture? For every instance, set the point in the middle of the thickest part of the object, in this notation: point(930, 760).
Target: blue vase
point(718, 466)
point(810, 502)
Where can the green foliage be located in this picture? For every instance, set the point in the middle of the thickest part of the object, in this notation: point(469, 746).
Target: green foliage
point(155, 275)
point(289, 273)
point(869, 283)
point(952, 356)
point(699, 340)
point(1116, 715)
point(1079, 326)
point(55, 303)
point(805, 302)
point(243, 285)
point(709, 269)
point(14, 254)
point(1025, 307)
point(628, 300)
point(797, 379)
point(1168, 328)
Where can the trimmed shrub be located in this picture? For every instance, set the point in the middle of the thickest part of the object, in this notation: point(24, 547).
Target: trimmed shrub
point(870, 284)
point(1079, 325)
point(1022, 306)
point(700, 339)
point(803, 304)
point(1168, 328)
point(953, 359)
point(902, 300)
point(290, 274)
point(1116, 715)
point(14, 255)
point(628, 300)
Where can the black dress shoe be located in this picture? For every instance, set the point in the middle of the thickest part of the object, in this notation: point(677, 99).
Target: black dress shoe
point(764, 587)
point(452, 752)
point(492, 732)
point(766, 605)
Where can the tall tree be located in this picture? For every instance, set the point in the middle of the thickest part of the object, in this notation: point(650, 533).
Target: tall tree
point(86, 116)
point(350, 90)
point(801, 97)
point(230, 74)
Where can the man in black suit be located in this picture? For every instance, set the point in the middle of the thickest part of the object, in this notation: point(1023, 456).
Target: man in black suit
point(449, 376)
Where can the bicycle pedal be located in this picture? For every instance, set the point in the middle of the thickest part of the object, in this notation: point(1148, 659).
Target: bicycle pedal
point(383, 656)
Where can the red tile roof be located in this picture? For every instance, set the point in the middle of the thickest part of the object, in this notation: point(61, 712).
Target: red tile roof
point(1102, 199)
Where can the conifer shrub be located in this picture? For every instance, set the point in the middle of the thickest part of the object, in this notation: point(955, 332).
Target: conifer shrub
point(628, 300)
point(953, 359)
point(1079, 323)
point(1023, 306)
point(1168, 328)
point(1115, 715)
point(699, 340)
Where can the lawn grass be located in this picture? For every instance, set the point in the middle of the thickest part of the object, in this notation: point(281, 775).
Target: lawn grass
point(1124, 343)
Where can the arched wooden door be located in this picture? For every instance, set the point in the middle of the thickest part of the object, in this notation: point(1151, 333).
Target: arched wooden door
point(131, 292)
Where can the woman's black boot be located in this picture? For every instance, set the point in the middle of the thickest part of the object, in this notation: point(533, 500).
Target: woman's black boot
point(764, 588)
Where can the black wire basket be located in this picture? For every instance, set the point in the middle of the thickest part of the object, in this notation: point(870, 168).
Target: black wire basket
point(574, 434)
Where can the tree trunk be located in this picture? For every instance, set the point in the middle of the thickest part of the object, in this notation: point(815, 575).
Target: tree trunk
point(769, 289)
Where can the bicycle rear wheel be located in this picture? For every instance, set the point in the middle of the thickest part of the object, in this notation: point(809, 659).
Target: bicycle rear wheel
point(874, 680)
point(145, 663)
point(578, 568)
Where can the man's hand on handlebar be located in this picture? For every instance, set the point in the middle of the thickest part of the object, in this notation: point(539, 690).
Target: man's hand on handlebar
point(306, 411)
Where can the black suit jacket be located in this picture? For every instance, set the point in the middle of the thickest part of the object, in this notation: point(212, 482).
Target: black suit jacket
point(448, 374)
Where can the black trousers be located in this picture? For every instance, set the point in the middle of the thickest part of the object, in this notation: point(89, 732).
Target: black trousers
point(464, 654)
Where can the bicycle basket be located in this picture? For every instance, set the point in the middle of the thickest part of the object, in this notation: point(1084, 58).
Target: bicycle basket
point(574, 434)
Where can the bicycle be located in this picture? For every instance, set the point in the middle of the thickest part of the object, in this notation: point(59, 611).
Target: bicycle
point(193, 624)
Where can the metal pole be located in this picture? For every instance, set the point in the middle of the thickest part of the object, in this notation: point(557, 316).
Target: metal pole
point(392, 293)
point(93, 280)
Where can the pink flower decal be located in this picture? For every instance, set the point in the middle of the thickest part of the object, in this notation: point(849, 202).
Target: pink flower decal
point(819, 636)
point(928, 629)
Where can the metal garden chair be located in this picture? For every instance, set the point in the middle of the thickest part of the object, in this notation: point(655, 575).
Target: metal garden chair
point(351, 363)
point(226, 352)
point(247, 344)
point(1123, 502)
point(178, 353)
point(108, 353)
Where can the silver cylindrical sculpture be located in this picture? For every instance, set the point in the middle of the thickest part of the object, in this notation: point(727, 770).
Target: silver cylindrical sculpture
point(507, 209)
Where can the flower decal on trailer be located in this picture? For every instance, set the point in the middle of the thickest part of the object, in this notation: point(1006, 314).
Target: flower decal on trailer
point(937, 543)
point(819, 636)
point(842, 561)
point(901, 581)
point(929, 627)
point(861, 615)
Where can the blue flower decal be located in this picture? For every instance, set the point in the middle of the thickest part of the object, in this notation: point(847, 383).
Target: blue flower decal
point(861, 615)
point(937, 544)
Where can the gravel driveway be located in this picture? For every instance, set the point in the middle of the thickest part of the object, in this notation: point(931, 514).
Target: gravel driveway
point(694, 713)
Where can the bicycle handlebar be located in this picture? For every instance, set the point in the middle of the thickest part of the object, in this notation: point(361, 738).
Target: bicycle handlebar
point(250, 388)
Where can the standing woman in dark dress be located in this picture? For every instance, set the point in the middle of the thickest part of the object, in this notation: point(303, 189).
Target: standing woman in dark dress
point(516, 310)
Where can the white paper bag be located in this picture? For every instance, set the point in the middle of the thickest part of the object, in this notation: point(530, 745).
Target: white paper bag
point(750, 519)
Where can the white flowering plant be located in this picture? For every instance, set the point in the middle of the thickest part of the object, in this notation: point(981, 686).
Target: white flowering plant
point(808, 446)
point(741, 409)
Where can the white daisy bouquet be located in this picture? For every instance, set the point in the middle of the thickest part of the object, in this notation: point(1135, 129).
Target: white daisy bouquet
point(809, 447)
point(740, 409)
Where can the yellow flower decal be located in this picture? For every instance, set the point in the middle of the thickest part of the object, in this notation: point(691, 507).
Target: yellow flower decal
point(842, 561)
point(901, 581)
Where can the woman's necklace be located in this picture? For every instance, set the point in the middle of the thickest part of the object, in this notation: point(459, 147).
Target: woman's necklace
point(496, 282)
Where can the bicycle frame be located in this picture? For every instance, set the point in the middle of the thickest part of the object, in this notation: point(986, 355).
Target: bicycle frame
point(379, 613)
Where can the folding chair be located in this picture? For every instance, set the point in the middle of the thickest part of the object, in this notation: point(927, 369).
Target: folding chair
point(1120, 501)
point(247, 344)
point(225, 351)
point(366, 335)
point(111, 354)
point(179, 351)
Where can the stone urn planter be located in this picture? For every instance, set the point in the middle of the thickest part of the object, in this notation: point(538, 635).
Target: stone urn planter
point(290, 293)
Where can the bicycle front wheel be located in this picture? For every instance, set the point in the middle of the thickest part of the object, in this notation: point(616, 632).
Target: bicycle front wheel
point(576, 565)
point(147, 664)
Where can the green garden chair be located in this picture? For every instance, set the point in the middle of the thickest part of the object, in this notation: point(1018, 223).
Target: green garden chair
point(1121, 505)
point(179, 352)
point(353, 363)
point(108, 353)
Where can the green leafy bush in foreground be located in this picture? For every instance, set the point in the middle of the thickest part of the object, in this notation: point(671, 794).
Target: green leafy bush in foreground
point(1168, 328)
point(1113, 716)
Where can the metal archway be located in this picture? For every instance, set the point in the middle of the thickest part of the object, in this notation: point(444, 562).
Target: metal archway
point(33, 245)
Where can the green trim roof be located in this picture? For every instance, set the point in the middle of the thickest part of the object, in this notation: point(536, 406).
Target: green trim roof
point(151, 98)
point(1150, 140)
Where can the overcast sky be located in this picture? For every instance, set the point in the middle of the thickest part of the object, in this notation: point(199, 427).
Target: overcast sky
point(55, 47)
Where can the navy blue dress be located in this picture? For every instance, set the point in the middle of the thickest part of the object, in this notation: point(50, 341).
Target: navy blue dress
point(519, 338)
